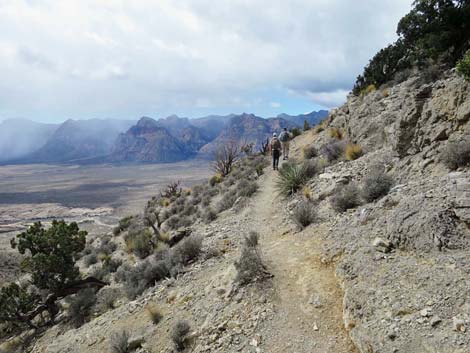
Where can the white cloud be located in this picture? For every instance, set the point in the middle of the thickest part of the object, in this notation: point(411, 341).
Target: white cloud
point(329, 99)
point(275, 104)
point(64, 57)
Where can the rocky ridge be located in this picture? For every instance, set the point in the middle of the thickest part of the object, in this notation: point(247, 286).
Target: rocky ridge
point(403, 260)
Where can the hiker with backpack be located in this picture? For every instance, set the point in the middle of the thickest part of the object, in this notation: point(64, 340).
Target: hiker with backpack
point(285, 137)
point(275, 147)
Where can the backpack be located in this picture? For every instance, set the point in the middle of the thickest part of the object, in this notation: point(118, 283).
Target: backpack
point(284, 137)
point(275, 144)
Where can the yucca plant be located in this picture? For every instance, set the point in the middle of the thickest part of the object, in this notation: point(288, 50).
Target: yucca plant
point(292, 177)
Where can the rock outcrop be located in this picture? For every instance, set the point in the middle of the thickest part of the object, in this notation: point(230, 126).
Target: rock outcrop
point(403, 260)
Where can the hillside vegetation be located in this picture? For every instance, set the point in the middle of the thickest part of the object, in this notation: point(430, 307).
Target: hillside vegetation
point(432, 37)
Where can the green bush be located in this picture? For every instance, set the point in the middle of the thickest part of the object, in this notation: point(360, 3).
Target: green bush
point(463, 66)
point(291, 178)
point(51, 253)
point(140, 243)
point(15, 304)
point(433, 31)
point(306, 125)
point(296, 132)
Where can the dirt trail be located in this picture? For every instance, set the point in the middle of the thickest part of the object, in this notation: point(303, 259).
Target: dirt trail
point(308, 305)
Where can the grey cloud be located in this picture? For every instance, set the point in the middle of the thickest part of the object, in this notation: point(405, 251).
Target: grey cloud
point(151, 56)
point(34, 59)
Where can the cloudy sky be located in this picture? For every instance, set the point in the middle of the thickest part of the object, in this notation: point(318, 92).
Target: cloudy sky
point(77, 59)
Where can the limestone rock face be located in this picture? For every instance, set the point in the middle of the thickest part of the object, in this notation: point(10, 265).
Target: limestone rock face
point(404, 258)
point(409, 118)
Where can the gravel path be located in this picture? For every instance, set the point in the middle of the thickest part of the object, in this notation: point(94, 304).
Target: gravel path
point(308, 303)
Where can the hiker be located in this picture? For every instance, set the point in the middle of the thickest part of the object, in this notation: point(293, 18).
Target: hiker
point(275, 147)
point(284, 137)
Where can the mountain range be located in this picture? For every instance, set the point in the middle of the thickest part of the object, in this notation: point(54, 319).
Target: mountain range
point(148, 140)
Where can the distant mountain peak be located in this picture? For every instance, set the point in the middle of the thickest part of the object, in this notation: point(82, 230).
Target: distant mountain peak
point(145, 121)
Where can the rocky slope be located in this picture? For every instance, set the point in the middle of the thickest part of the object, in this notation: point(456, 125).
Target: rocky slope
point(147, 141)
point(390, 275)
point(402, 260)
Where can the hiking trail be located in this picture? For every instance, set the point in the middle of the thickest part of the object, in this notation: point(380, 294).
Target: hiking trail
point(308, 299)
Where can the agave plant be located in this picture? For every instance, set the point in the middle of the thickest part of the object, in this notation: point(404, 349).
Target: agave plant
point(292, 177)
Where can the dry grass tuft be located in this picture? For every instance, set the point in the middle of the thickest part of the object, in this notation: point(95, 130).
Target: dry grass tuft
point(353, 151)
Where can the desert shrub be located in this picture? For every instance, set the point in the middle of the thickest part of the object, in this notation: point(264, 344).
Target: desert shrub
point(259, 169)
point(179, 334)
point(367, 90)
point(246, 188)
point(187, 250)
point(225, 157)
point(318, 128)
point(195, 200)
point(165, 264)
point(456, 154)
point(188, 210)
point(90, 259)
point(138, 278)
point(119, 342)
point(198, 190)
point(250, 267)
point(332, 150)
point(80, 306)
point(296, 132)
point(106, 299)
point(353, 151)
point(463, 66)
point(206, 201)
point(311, 168)
point(346, 197)
point(291, 178)
point(154, 313)
point(111, 265)
point(216, 179)
point(107, 246)
point(309, 152)
point(209, 215)
point(227, 201)
point(124, 223)
point(304, 214)
point(336, 133)
point(171, 190)
point(176, 221)
point(140, 243)
point(376, 185)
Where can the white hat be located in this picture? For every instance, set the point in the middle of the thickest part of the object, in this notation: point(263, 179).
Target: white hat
point(274, 134)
